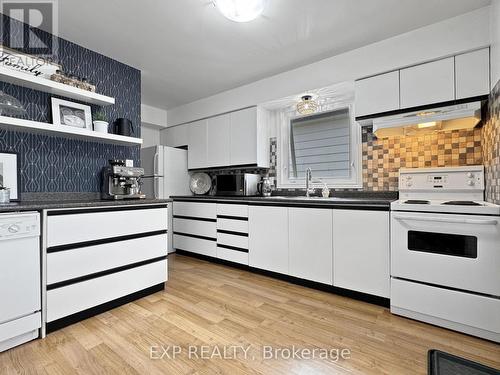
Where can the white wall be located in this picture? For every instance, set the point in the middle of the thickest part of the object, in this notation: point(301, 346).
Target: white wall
point(150, 136)
point(458, 34)
point(153, 116)
point(495, 42)
point(152, 121)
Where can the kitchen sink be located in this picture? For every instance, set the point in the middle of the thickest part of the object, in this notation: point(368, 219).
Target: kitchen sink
point(284, 197)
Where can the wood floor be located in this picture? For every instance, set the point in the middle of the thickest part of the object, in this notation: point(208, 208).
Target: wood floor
point(209, 306)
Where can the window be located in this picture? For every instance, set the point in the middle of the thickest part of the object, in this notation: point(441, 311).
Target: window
point(328, 142)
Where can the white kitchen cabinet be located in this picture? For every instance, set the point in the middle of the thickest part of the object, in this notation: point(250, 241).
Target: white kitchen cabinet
point(361, 251)
point(197, 147)
point(472, 74)
point(268, 238)
point(377, 94)
point(76, 226)
point(233, 139)
point(200, 210)
point(310, 239)
point(218, 141)
point(249, 138)
point(93, 256)
point(77, 297)
point(175, 136)
point(428, 83)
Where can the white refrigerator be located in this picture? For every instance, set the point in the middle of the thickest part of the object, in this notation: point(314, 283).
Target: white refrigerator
point(165, 174)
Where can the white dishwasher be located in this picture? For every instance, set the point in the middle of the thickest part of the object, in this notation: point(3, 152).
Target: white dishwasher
point(20, 317)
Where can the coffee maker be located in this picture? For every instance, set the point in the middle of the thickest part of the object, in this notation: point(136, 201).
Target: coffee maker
point(121, 182)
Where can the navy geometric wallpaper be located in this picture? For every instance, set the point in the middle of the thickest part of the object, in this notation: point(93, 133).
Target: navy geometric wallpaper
point(55, 164)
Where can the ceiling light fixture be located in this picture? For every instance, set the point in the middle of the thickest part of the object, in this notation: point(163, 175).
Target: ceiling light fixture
point(241, 10)
point(307, 105)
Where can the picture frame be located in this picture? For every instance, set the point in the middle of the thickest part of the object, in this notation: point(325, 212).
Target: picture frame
point(9, 173)
point(66, 113)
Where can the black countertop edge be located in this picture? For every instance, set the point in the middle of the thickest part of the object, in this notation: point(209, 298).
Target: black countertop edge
point(379, 204)
point(39, 205)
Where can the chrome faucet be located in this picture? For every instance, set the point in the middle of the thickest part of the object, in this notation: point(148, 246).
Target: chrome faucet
point(309, 190)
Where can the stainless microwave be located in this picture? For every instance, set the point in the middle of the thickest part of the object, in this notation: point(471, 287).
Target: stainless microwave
point(237, 184)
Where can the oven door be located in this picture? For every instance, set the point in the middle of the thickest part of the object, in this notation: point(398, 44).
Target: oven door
point(457, 251)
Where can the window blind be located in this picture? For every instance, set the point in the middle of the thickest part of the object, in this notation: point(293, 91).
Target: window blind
point(321, 142)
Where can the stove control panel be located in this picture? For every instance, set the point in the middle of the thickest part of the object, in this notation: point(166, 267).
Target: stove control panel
point(434, 179)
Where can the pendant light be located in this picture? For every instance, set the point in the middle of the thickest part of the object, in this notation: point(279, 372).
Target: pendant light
point(307, 105)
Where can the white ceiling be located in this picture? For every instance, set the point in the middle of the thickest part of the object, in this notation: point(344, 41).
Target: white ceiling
point(187, 50)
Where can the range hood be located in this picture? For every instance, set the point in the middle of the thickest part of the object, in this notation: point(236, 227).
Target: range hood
point(453, 117)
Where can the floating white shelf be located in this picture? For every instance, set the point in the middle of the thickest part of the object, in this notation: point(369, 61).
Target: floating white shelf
point(12, 123)
point(56, 88)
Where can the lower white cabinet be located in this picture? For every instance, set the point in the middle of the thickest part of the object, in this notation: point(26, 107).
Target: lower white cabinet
point(361, 251)
point(345, 248)
point(96, 258)
point(88, 260)
point(310, 239)
point(71, 299)
point(200, 246)
point(268, 238)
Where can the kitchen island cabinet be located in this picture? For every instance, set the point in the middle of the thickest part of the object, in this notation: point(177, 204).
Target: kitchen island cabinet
point(95, 259)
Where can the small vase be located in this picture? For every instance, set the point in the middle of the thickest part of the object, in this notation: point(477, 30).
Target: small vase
point(4, 196)
point(101, 126)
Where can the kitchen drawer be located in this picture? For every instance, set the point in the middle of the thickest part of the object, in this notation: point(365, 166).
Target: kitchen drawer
point(68, 300)
point(195, 245)
point(70, 264)
point(196, 227)
point(90, 226)
point(232, 240)
point(238, 210)
point(232, 255)
point(240, 226)
point(470, 313)
point(195, 209)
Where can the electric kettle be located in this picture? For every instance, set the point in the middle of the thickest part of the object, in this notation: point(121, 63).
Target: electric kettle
point(264, 187)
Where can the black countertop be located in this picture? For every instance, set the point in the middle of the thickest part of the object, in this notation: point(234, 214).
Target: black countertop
point(38, 205)
point(380, 202)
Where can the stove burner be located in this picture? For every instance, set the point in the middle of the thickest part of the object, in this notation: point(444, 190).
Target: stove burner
point(462, 203)
point(416, 201)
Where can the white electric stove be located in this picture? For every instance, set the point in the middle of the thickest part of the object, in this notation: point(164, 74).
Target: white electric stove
point(445, 250)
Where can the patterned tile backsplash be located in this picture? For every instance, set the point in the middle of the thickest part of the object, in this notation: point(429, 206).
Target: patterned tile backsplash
point(491, 146)
point(52, 164)
point(382, 158)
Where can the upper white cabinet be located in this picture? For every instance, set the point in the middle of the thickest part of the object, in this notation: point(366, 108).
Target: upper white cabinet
point(232, 139)
point(268, 238)
point(361, 251)
point(472, 74)
point(175, 136)
point(197, 144)
point(377, 94)
point(218, 141)
point(249, 137)
point(310, 238)
point(452, 78)
point(428, 83)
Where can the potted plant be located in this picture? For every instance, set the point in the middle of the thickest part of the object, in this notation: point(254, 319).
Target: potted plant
point(100, 123)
